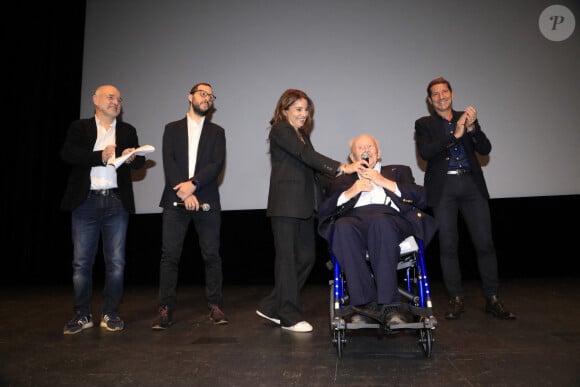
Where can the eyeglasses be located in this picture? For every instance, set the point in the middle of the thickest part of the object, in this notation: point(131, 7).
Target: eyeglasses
point(204, 94)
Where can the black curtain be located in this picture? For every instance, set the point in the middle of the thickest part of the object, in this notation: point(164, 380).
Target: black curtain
point(44, 54)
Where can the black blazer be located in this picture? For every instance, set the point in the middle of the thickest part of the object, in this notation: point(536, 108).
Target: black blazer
point(410, 203)
point(433, 143)
point(77, 150)
point(211, 154)
point(294, 189)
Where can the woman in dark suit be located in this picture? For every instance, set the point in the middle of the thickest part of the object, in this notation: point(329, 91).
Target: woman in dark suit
point(292, 201)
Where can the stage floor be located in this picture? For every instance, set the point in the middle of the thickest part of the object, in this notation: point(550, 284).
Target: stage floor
point(540, 348)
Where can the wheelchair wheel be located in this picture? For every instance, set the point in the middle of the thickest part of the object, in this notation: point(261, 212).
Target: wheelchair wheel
point(339, 337)
point(426, 341)
point(332, 312)
point(337, 333)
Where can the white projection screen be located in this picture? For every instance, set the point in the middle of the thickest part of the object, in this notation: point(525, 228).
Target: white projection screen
point(365, 64)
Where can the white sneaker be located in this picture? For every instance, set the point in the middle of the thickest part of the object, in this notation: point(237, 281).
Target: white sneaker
point(302, 326)
point(274, 320)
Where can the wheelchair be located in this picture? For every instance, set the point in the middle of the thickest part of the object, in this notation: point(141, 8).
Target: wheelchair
point(415, 296)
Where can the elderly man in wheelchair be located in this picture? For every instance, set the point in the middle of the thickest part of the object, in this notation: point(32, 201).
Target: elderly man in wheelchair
point(364, 217)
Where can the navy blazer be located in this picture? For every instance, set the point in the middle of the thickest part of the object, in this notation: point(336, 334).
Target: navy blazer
point(433, 143)
point(410, 203)
point(77, 150)
point(294, 185)
point(211, 154)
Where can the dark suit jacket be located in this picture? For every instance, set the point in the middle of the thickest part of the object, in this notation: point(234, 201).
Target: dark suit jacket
point(410, 203)
point(211, 154)
point(294, 190)
point(433, 143)
point(78, 151)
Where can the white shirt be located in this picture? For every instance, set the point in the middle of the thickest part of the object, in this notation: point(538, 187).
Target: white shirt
point(193, 134)
point(376, 196)
point(104, 177)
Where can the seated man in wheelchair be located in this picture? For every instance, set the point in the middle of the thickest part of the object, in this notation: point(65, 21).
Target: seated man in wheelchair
point(372, 212)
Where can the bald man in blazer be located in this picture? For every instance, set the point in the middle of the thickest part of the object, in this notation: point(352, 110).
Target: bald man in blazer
point(373, 211)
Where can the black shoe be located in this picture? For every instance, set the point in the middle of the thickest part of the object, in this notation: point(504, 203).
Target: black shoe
point(394, 318)
point(371, 310)
point(455, 308)
point(164, 319)
point(359, 318)
point(494, 306)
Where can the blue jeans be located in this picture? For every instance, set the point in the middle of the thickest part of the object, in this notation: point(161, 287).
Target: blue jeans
point(106, 216)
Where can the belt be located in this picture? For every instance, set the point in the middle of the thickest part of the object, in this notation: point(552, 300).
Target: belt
point(104, 192)
point(460, 171)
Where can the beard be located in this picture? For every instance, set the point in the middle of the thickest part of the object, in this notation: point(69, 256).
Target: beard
point(199, 111)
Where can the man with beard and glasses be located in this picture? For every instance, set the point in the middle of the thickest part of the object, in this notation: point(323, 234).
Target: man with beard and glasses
point(194, 152)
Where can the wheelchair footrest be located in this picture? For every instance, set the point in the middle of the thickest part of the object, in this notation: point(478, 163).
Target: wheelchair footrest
point(425, 324)
point(362, 325)
point(429, 323)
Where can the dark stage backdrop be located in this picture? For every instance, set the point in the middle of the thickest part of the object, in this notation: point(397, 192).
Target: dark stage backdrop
point(44, 77)
point(530, 235)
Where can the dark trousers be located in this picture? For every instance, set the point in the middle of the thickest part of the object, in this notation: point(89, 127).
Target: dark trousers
point(379, 230)
point(175, 224)
point(460, 195)
point(294, 243)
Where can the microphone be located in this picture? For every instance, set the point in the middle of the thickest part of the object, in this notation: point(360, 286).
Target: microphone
point(204, 206)
point(365, 156)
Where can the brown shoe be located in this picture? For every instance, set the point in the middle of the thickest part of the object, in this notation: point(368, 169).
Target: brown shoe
point(164, 319)
point(217, 316)
point(455, 308)
point(494, 306)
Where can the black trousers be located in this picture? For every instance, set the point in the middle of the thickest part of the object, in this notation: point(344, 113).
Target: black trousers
point(175, 224)
point(461, 196)
point(294, 242)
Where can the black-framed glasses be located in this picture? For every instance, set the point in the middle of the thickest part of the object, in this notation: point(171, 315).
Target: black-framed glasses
point(204, 94)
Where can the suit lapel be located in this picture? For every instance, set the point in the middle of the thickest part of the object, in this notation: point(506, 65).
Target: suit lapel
point(306, 138)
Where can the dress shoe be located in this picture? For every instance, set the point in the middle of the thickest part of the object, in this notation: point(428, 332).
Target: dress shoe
point(371, 310)
point(394, 318)
point(302, 326)
point(359, 318)
point(455, 308)
point(494, 306)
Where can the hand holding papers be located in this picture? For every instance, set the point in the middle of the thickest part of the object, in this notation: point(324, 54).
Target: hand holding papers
point(141, 151)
